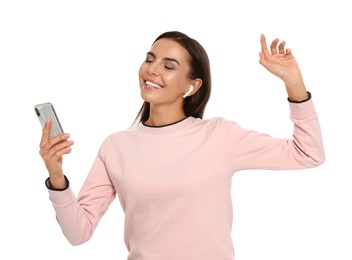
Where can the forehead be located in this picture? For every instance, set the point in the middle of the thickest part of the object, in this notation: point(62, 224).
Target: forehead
point(167, 48)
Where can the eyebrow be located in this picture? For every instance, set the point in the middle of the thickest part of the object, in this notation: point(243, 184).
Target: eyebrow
point(166, 58)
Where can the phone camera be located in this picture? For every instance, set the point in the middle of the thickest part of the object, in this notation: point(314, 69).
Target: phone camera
point(37, 111)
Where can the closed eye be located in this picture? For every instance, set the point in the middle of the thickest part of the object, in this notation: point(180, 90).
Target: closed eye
point(150, 57)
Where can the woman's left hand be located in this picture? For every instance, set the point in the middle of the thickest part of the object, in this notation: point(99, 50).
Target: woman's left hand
point(280, 62)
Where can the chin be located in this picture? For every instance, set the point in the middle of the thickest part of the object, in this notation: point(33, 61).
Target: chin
point(149, 97)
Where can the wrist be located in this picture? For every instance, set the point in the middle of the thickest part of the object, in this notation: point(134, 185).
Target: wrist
point(57, 182)
point(300, 100)
point(296, 89)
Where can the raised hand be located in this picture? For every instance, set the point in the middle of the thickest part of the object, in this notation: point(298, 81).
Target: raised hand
point(280, 62)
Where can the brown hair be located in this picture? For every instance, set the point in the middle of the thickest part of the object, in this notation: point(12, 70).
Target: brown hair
point(199, 68)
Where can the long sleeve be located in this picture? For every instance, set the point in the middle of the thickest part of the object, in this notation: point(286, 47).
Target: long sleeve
point(79, 218)
point(247, 149)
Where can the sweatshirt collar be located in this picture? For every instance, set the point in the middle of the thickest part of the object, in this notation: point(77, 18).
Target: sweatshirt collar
point(166, 129)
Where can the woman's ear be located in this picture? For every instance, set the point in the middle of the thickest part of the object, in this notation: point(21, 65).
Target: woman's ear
point(197, 83)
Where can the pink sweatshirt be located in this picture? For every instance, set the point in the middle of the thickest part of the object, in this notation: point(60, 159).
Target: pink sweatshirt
point(174, 183)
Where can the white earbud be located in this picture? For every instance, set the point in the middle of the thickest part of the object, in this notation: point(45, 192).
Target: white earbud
point(189, 91)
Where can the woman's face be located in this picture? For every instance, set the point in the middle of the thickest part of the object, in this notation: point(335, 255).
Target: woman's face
point(163, 75)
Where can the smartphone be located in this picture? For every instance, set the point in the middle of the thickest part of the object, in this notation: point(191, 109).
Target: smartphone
point(44, 112)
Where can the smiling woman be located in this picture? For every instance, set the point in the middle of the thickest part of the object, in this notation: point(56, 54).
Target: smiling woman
point(172, 169)
point(180, 66)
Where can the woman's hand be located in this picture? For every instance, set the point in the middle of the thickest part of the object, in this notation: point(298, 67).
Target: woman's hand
point(51, 151)
point(280, 62)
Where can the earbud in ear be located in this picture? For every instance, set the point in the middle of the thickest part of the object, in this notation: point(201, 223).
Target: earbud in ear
point(188, 92)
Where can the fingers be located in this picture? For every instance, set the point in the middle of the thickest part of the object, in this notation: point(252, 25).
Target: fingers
point(46, 133)
point(53, 157)
point(265, 52)
point(275, 47)
point(282, 48)
point(46, 143)
point(59, 150)
point(55, 148)
point(54, 142)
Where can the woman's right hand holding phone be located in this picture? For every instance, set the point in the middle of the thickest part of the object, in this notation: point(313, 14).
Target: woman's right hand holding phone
point(51, 151)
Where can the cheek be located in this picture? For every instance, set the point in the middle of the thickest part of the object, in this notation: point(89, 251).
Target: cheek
point(141, 73)
point(174, 79)
point(141, 70)
point(177, 82)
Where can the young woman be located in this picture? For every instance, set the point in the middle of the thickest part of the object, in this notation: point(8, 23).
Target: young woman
point(172, 169)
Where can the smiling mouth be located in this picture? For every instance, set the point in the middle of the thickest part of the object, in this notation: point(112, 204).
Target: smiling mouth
point(153, 85)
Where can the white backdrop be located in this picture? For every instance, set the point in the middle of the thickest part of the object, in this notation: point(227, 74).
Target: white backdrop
point(84, 56)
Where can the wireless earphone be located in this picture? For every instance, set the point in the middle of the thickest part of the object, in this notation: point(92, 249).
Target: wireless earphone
point(189, 91)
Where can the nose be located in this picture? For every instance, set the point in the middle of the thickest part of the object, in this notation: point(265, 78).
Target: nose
point(154, 69)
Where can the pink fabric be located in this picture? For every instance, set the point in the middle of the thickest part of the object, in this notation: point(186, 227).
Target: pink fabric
point(174, 183)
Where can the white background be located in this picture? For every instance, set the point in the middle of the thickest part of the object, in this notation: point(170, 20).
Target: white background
point(84, 56)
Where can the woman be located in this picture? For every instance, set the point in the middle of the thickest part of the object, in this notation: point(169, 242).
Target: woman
point(172, 170)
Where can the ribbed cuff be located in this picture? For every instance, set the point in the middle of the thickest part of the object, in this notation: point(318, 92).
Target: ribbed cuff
point(48, 184)
point(301, 101)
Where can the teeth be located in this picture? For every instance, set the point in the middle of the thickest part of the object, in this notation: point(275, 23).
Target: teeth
point(152, 84)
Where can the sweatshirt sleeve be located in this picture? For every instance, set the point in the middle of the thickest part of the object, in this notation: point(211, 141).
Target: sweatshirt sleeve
point(248, 149)
point(78, 217)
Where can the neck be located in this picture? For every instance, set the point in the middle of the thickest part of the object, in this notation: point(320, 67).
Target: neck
point(158, 117)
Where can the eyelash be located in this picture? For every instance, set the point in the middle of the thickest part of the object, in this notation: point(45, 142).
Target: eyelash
point(166, 67)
